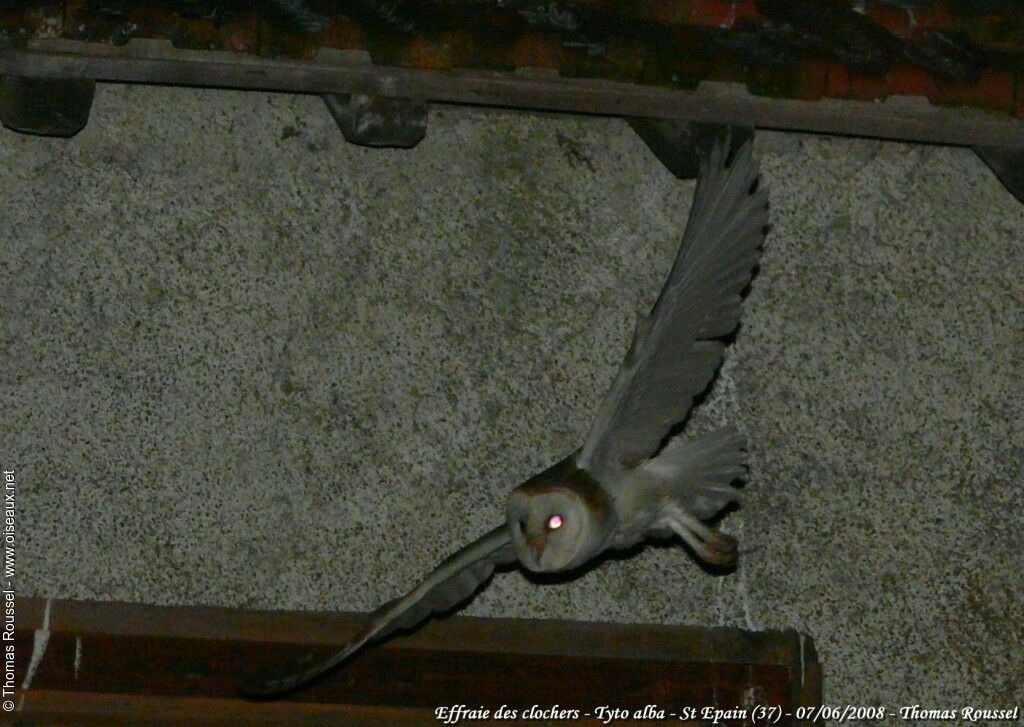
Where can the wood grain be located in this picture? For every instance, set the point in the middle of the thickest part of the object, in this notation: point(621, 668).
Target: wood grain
point(176, 665)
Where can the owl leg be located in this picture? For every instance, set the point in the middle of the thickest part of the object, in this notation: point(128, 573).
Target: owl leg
point(711, 545)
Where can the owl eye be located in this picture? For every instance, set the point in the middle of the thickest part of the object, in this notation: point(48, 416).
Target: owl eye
point(554, 522)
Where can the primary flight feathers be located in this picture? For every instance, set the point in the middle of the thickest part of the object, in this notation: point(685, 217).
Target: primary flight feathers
point(453, 581)
point(673, 358)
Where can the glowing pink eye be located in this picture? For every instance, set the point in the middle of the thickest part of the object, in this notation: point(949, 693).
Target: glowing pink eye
point(554, 522)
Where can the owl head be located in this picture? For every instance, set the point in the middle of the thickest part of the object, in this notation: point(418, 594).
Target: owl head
point(558, 519)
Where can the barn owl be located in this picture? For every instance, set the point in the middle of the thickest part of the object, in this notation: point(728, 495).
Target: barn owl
point(632, 478)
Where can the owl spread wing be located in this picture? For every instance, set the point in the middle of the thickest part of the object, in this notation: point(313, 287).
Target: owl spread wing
point(675, 353)
point(452, 582)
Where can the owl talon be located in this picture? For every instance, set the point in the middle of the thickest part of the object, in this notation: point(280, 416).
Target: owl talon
point(722, 550)
point(713, 546)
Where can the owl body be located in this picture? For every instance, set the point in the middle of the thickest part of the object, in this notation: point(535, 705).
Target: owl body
point(690, 479)
point(631, 479)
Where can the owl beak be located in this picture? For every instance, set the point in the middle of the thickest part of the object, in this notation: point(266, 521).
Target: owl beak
point(537, 546)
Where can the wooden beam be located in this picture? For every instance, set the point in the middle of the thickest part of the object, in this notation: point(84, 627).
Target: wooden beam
point(350, 72)
point(116, 663)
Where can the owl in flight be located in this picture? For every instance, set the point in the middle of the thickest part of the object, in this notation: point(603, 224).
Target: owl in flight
point(626, 483)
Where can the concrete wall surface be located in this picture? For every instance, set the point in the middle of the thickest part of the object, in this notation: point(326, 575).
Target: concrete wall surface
point(247, 364)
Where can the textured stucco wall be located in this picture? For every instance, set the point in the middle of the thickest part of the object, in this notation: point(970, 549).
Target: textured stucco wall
point(248, 364)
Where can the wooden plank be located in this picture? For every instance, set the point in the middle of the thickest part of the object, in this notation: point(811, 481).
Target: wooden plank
point(113, 663)
point(50, 707)
point(340, 72)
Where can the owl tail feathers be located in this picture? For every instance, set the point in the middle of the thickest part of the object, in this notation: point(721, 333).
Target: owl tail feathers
point(703, 469)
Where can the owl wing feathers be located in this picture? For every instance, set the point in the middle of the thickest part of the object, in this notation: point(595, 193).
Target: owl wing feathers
point(674, 354)
point(453, 581)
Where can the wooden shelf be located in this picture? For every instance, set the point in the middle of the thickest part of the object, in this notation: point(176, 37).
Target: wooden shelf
point(154, 665)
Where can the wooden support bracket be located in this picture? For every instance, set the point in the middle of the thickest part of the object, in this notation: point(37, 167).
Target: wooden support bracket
point(378, 121)
point(1007, 165)
point(678, 144)
point(46, 106)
